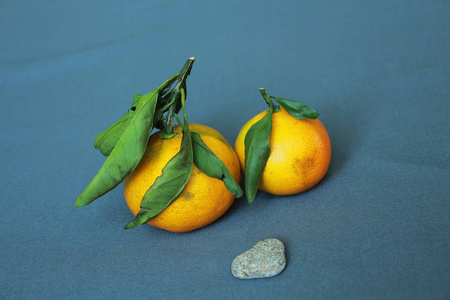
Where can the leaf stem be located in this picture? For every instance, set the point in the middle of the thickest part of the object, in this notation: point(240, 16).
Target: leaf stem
point(178, 120)
point(268, 100)
point(177, 94)
point(170, 80)
point(183, 104)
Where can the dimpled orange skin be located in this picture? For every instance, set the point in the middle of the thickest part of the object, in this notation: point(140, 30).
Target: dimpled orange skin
point(203, 200)
point(300, 153)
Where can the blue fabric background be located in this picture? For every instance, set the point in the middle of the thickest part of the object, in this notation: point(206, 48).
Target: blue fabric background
point(378, 72)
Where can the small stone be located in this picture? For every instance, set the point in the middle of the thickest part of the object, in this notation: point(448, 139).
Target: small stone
point(265, 259)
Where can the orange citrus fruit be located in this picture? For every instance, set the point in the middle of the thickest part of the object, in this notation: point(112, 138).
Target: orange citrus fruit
point(203, 200)
point(300, 153)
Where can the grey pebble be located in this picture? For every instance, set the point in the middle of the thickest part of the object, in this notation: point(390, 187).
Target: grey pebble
point(265, 259)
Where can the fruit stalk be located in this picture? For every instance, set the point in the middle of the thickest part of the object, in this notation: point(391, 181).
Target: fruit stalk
point(268, 100)
point(176, 97)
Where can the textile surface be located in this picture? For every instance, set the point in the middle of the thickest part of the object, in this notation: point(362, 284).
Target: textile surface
point(378, 72)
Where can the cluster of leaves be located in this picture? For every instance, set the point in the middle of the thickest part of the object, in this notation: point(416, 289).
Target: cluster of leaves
point(257, 139)
point(124, 144)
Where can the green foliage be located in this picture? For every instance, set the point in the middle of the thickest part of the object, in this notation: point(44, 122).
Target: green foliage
point(257, 152)
point(257, 140)
point(207, 162)
point(107, 139)
point(126, 152)
point(297, 109)
point(125, 141)
point(171, 183)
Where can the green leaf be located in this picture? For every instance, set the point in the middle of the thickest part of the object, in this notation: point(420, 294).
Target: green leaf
point(126, 154)
point(164, 103)
point(257, 152)
point(107, 139)
point(136, 101)
point(171, 183)
point(297, 109)
point(211, 165)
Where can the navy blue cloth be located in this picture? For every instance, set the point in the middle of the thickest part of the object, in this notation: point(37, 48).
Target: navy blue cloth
point(378, 72)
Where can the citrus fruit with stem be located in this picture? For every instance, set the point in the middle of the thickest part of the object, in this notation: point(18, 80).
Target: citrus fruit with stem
point(203, 200)
point(179, 179)
point(287, 147)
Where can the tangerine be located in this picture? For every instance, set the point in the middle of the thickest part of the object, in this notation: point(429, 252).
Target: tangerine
point(300, 153)
point(203, 200)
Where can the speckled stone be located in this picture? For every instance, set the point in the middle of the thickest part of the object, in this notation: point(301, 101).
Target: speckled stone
point(265, 259)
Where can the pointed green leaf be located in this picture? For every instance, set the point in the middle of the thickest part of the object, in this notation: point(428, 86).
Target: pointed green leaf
point(107, 139)
point(126, 154)
point(136, 101)
point(297, 109)
point(207, 162)
point(257, 152)
point(170, 184)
